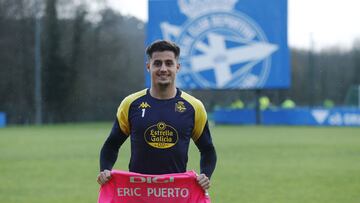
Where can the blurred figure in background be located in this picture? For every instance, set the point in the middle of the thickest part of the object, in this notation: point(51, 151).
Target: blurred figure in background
point(288, 104)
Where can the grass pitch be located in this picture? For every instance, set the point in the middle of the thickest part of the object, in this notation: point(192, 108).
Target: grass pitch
point(59, 163)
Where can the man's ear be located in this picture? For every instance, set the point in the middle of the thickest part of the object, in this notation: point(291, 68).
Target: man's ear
point(178, 67)
point(148, 67)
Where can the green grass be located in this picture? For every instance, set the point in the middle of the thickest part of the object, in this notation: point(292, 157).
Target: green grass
point(255, 164)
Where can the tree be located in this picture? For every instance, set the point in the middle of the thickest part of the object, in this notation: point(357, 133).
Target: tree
point(56, 72)
point(356, 58)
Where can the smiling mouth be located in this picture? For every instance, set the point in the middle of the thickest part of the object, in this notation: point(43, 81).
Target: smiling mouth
point(163, 76)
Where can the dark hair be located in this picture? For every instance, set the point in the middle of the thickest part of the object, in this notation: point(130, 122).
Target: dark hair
point(162, 45)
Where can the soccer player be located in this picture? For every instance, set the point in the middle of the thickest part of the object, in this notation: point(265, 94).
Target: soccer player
point(160, 122)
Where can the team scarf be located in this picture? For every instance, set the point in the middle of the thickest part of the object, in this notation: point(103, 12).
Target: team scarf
point(129, 187)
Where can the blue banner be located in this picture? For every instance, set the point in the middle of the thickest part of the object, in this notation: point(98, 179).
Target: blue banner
point(2, 119)
point(229, 116)
point(295, 116)
point(225, 44)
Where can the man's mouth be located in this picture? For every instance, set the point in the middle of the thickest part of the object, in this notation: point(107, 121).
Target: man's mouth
point(163, 76)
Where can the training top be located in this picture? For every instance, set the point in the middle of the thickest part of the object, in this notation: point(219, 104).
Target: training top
point(160, 132)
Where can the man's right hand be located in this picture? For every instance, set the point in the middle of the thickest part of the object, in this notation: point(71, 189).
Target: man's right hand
point(103, 177)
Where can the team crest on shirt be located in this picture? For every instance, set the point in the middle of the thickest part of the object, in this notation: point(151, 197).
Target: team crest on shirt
point(180, 107)
point(161, 136)
point(144, 105)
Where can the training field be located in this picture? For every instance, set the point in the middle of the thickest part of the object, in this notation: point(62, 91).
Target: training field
point(255, 164)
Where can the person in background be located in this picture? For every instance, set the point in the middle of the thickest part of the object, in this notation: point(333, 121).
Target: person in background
point(288, 104)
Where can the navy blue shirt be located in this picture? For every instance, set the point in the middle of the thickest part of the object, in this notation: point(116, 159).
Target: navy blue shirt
point(160, 133)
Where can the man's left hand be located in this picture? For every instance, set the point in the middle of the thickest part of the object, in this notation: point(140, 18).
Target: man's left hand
point(203, 181)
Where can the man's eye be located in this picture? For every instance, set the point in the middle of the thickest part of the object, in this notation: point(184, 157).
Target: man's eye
point(157, 63)
point(169, 63)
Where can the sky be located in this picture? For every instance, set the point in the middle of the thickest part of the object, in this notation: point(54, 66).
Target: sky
point(312, 24)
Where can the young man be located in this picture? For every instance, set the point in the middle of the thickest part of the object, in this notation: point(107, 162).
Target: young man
point(160, 122)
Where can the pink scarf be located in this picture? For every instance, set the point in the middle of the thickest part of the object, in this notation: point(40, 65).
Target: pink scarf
point(128, 187)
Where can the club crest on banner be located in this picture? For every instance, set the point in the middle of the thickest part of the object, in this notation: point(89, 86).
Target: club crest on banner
point(220, 46)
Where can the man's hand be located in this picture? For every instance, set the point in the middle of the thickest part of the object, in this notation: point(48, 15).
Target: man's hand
point(203, 181)
point(103, 177)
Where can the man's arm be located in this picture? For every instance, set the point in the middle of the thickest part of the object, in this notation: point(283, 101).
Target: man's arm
point(109, 152)
point(207, 152)
point(207, 158)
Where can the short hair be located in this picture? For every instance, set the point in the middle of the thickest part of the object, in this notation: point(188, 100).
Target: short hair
point(162, 45)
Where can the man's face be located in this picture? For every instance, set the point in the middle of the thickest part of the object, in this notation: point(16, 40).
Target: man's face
point(163, 67)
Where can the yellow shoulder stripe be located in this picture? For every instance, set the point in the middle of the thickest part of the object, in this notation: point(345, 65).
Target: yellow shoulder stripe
point(123, 110)
point(200, 115)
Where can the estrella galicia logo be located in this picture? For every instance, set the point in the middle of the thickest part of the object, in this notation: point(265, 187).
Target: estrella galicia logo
point(161, 136)
point(221, 47)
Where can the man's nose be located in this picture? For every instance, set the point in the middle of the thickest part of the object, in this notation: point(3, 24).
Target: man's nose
point(163, 67)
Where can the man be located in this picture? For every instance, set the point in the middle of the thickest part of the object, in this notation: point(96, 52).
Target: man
point(160, 122)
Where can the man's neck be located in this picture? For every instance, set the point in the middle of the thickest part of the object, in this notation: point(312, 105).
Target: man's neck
point(163, 93)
